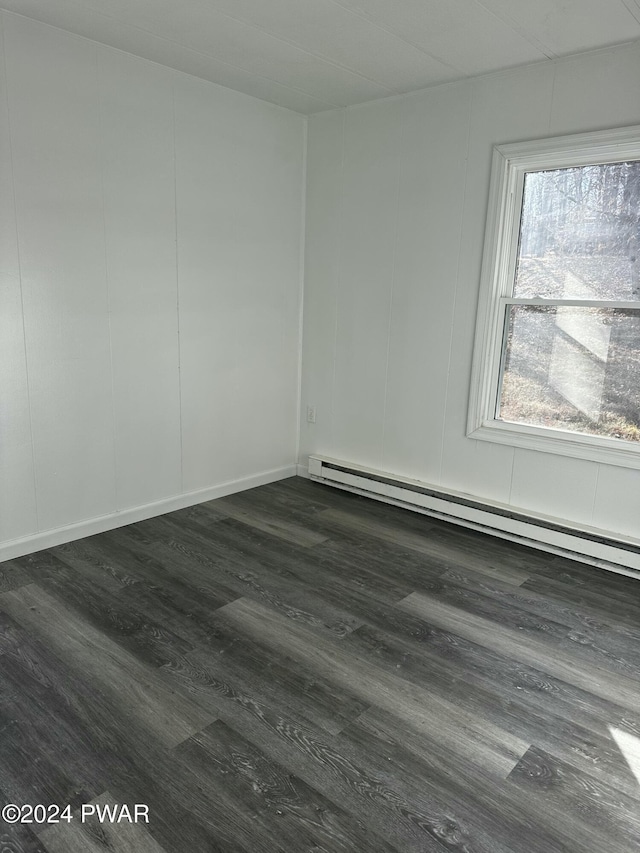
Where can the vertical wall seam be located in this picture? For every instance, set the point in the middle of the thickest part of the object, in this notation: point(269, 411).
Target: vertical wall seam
point(301, 284)
point(456, 281)
point(512, 475)
point(19, 258)
point(101, 157)
point(595, 492)
point(175, 229)
point(394, 255)
point(554, 73)
point(338, 275)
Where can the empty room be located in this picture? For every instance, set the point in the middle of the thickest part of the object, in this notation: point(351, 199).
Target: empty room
point(320, 426)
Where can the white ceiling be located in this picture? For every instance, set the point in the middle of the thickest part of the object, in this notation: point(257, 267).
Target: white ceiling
point(311, 55)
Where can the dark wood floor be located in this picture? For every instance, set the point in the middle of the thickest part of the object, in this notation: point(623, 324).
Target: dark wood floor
point(297, 669)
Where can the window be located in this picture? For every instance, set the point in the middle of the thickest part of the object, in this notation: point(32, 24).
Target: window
point(557, 355)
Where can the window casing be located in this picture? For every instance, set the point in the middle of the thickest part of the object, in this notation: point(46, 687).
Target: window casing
point(575, 322)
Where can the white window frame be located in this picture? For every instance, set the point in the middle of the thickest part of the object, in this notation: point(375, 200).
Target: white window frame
point(510, 164)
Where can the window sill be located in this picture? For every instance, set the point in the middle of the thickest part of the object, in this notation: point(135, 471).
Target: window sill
point(610, 451)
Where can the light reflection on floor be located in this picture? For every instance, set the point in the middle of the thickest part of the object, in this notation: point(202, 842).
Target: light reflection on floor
point(629, 746)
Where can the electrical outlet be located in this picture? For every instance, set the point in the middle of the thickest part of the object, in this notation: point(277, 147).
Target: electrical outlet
point(311, 414)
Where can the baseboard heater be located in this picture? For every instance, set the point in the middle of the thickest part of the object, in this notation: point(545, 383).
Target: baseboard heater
point(587, 544)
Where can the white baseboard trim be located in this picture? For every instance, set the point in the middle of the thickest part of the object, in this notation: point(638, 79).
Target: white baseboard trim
point(302, 471)
point(59, 535)
point(597, 547)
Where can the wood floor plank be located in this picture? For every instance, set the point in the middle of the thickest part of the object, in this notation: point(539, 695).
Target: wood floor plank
point(306, 751)
point(141, 693)
point(20, 839)
point(153, 610)
point(498, 811)
point(482, 742)
point(225, 557)
point(185, 812)
point(484, 603)
point(269, 523)
point(594, 644)
point(379, 567)
point(467, 809)
point(355, 564)
point(280, 680)
point(314, 497)
point(13, 576)
point(310, 574)
point(205, 514)
point(355, 524)
point(62, 719)
point(283, 499)
point(38, 723)
point(494, 690)
point(543, 655)
point(591, 812)
point(446, 659)
point(290, 814)
point(100, 566)
point(491, 556)
point(27, 781)
point(622, 611)
point(194, 593)
point(436, 548)
point(119, 616)
point(582, 618)
point(613, 585)
point(230, 674)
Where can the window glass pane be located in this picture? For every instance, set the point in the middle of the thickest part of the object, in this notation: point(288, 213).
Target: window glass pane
point(580, 234)
point(574, 369)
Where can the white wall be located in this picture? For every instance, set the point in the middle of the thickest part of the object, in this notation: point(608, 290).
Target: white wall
point(396, 204)
point(149, 286)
